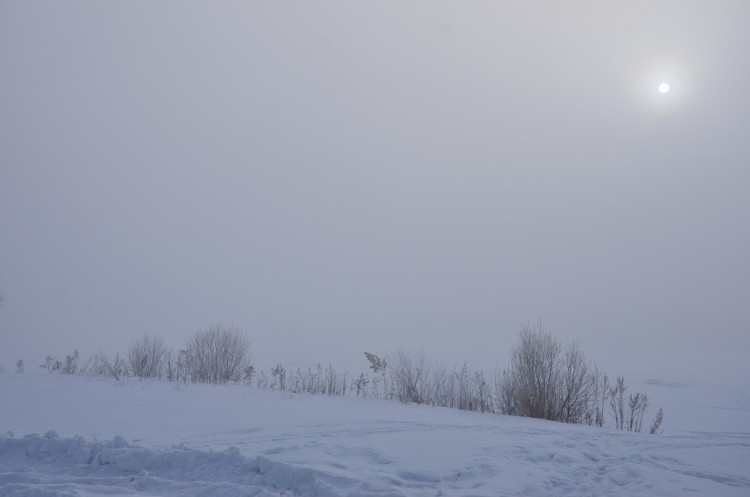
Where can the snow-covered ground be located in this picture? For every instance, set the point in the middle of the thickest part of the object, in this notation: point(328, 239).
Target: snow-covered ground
point(75, 436)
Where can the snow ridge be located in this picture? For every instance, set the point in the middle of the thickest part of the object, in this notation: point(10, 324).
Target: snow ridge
point(45, 465)
point(148, 439)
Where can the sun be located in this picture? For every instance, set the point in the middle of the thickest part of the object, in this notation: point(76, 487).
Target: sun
point(664, 88)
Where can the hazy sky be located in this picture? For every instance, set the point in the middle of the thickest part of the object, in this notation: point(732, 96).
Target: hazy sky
point(334, 177)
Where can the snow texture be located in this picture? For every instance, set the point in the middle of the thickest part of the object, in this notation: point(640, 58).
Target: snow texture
point(150, 438)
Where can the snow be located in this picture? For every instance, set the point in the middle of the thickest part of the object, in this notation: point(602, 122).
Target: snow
point(72, 436)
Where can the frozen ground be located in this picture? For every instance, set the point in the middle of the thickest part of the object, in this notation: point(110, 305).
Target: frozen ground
point(72, 436)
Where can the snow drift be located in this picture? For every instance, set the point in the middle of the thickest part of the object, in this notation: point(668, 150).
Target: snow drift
point(50, 465)
point(148, 438)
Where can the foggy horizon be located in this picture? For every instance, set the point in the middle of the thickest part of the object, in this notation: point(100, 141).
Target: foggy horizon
point(334, 178)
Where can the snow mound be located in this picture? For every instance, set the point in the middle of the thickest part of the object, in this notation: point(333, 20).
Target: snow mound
point(148, 439)
point(48, 465)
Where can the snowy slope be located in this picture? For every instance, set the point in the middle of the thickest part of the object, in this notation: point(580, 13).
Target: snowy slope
point(73, 436)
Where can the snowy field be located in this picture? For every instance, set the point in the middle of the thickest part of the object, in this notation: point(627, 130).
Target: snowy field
point(68, 436)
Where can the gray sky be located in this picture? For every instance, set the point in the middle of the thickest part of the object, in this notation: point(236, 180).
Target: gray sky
point(334, 177)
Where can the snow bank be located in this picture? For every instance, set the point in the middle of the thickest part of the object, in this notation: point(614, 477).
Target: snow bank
point(49, 465)
point(148, 438)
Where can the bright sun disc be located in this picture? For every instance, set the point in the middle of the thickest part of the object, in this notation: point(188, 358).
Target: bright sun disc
point(663, 88)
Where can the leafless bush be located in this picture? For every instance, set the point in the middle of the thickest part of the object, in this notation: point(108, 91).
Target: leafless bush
point(409, 376)
point(51, 364)
point(262, 380)
point(596, 412)
point(545, 380)
point(19, 366)
point(461, 388)
point(360, 384)
point(443, 388)
point(380, 368)
point(505, 392)
point(535, 371)
point(182, 367)
point(279, 378)
point(482, 394)
point(217, 355)
point(335, 383)
point(656, 423)
point(171, 367)
point(617, 402)
point(247, 375)
point(331, 381)
point(631, 419)
point(147, 356)
point(99, 366)
point(637, 405)
point(308, 381)
point(117, 368)
point(69, 366)
point(578, 385)
point(71, 363)
point(94, 367)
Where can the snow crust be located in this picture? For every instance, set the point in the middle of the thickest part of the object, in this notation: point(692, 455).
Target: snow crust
point(69, 436)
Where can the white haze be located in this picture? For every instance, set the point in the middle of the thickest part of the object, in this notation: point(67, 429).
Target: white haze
point(334, 177)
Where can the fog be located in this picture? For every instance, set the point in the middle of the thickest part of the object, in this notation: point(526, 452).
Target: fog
point(335, 177)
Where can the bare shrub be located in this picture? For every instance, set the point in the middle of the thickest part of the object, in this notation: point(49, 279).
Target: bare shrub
point(182, 370)
point(380, 368)
point(217, 355)
point(147, 357)
point(545, 380)
point(94, 366)
point(171, 366)
point(578, 384)
point(413, 379)
point(637, 405)
point(262, 380)
point(462, 388)
point(247, 375)
point(600, 393)
point(535, 369)
point(631, 418)
point(117, 368)
point(409, 376)
point(54, 365)
point(99, 366)
point(505, 392)
point(360, 384)
point(309, 381)
point(443, 385)
point(617, 402)
point(482, 394)
point(279, 377)
point(51, 364)
point(656, 423)
point(19, 366)
point(533, 378)
point(71, 363)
